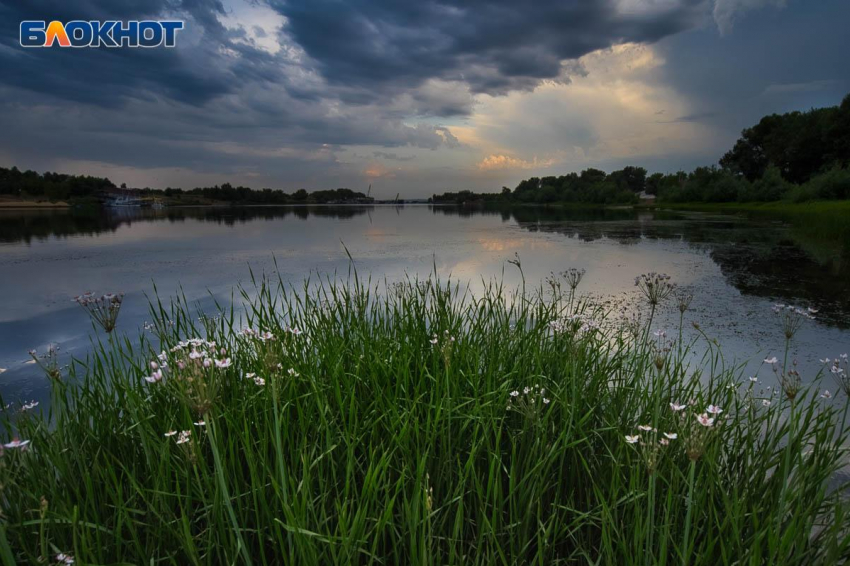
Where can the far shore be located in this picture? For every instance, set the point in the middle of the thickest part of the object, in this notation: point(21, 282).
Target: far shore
point(4, 204)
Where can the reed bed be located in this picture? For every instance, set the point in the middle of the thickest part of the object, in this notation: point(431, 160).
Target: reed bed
point(346, 422)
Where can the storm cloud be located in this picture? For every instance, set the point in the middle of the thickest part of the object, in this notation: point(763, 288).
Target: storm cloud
point(290, 93)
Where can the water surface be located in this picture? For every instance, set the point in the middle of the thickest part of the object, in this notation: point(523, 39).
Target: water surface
point(737, 267)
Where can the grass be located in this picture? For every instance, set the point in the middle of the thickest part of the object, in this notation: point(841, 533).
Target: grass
point(386, 432)
point(822, 228)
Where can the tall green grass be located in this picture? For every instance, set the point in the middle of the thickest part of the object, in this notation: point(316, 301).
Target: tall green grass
point(395, 439)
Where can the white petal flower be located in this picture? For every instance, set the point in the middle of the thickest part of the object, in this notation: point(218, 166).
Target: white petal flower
point(705, 420)
point(632, 439)
point(155, 377)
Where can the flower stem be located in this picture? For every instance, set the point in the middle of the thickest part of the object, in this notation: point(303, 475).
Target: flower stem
point(686, 542)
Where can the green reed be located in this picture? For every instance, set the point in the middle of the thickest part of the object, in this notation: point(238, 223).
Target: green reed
point(417, 423)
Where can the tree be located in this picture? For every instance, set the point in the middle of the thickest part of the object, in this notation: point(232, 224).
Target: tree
point(653, 183)
point(629, 178)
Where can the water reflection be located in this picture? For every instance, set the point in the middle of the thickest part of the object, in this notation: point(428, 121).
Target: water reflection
point(736, 266)
point(758, 256)
point(27, 225)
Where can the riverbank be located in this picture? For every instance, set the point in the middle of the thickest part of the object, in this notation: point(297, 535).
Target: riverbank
point(776, 207)
point(822, 228)
point(413, 424)
point(30, 204)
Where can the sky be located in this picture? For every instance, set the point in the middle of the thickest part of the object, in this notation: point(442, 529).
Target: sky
point(413, 98)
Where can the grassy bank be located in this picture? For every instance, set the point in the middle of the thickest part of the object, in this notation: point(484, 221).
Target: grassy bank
point(777, 207)
point(349, 423)
point(822, 228)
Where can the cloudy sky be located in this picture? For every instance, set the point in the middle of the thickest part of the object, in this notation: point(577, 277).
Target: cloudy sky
point(413, 97)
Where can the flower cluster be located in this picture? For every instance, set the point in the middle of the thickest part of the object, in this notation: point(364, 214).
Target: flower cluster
point(48, 362)
point(650, 443)
point(573, 277)
point(655, 286)
point(574, 324)
point(529, 402)
point(683, 301)
point(752, 382)
point(696, 428)
point(789, 379)
point(661, 349)
point(183, 437)
point(256, 379)
point(265, 335)
point(199, 351)
point(103, 309)
point(840, 372)
point(791, 318)
point(193, 364)
point(444, 344)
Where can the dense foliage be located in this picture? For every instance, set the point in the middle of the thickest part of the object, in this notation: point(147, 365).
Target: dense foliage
point(421, 425)
point(800, 145)
point(28, 185)
point(591, 186)
point(51, 186)
point(797, 156)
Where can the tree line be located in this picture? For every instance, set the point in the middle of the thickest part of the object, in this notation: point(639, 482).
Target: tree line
point(797, 156)
point(55, 187)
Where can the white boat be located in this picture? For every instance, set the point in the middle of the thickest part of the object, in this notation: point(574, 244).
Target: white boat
point(123, 201)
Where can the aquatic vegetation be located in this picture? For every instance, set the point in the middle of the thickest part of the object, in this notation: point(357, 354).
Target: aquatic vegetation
point(345, 422)
point(103, 310)
point(656, 287)
point(48, 362)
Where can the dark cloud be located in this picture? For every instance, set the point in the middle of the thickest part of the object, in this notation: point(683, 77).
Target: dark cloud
point(385, 74)
point(108, 77)
point(694, 117)
point(494, 45)
point(771, 61)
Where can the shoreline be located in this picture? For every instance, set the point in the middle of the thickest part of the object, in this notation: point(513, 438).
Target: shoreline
point(28, 204)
